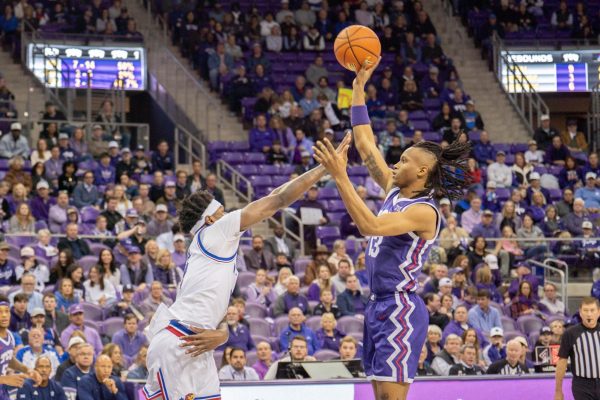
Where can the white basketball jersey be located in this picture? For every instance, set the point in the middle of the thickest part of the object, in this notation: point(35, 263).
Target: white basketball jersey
point(210, 273)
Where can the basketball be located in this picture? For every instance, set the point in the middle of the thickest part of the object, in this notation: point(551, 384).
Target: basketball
point(354, 45)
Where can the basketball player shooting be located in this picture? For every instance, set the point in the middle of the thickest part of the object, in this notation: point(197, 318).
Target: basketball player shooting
point(401, 236)
point(180, 359)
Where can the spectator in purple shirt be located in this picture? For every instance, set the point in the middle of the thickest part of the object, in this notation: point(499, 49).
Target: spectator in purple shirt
point(328, 335)
point(261, 136)
point(264, 354)
point(41, 203)
point(291, 298)
point(180, 253)
point(7, 267)
point(105, 173)
point(77, 318)
point(129, 339)
point(460, 323)
point(162, 159)
point(486, 228)
point(57, 216)
point(239, 335)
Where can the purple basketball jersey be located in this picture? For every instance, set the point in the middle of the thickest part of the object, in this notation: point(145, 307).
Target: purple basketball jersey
point(394, 262)
point(7, 349)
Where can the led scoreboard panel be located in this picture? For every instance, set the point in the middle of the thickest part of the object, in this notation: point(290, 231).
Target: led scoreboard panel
point(553, 71)
point(82, 67)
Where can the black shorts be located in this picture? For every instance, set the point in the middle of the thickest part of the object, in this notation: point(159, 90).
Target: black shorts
point(585, 388)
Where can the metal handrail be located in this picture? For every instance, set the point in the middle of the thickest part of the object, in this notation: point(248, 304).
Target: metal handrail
point(564, 274)
point(593, 118)
point(190, 145)
point(525, 99)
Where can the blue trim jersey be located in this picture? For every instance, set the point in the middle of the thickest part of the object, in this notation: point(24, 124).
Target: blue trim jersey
point(394, 262)
point(209, 274)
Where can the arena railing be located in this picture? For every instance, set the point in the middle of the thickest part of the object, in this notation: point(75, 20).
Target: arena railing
point(593, 118)
point(231, 179)
point(188, 147)
point(520, 92)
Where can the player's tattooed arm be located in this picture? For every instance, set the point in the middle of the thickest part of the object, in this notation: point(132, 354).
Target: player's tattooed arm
point(371, 156)
point(284, 195)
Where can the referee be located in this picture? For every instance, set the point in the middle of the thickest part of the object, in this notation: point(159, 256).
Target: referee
point(581, 344)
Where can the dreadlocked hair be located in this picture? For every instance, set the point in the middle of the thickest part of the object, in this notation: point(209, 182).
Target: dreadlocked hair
point(448, 177)
point(192, 207)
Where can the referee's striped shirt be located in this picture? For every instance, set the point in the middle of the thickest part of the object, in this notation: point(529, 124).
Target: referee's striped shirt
point(582, 346)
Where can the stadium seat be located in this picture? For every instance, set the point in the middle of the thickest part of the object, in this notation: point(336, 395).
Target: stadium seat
point(529, 323)
point(96, 248)
point(111, 326)
point(508, 324)
point(93, 312)
point(256, 310)
point(251, 357)
point(325, 355)
point(89, 215)
point(245, 278)
point(280, 324)
point(314, 322)
point(328, 193)
point(350, 324)
point(87, 262)
point(301, 263)
point(328, 234)
point(259, 326)
point(94, 325)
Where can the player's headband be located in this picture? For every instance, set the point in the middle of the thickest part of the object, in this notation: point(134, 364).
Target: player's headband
point(212, 208)
point(4, 303)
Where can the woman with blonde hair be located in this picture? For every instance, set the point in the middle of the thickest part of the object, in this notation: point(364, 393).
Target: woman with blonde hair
point(124, 203)
point(323, 282)
point(281, 285)
point(113, 351)
point(151, 253)
point(17, 196)
point(434, 338)
point(508, 216)
point(328, 335)
point(261, 290)
point(22, 221)
point(339, 253)
point(485, 280)
point(139, 369)
point(47, 250)
point(16, 174)
point(452, 237)
point(165, 270)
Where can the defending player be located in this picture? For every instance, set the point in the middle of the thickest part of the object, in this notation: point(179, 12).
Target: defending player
point(401, 234)
point(209, 278)
point(8, 357)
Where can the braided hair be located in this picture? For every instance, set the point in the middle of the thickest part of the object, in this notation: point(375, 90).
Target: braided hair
point(192, 207)
point(448, 176)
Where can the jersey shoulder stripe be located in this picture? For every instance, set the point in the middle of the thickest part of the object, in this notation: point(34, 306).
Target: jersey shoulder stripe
point(212, 256)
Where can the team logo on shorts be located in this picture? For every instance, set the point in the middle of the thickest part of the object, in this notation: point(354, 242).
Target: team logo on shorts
point(189, 396)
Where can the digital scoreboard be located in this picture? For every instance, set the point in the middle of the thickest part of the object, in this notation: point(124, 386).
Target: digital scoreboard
point(82, 67)
point(552, 71)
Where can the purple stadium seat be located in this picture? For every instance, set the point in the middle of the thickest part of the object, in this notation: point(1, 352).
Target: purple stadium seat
point(146, 178)
point(260, 181)
point(245, 278)
point(328, 193)
point(300, 264)
point(3, 164)
point(417, 115)
point(218, 356)
point(87, 262)
point(239, 146)
point(512, 334)
point(280, 324)
point(540, 169)
point(555, 169)
point(518, 148)
point(278, 180)
point(336, 206)
point(421, 125)
point(94, 325)
point(48, 289)
point(111, 326)
point(314, 322)
point(259, 326)
point(96, 248)
point(327, 234)
point(311, 303)
point(88, 165)
point(20, 241)
point(555, 194)
point(432, 104)
point(350, 324)
point(358, 170)
point(505, 147)
point(503, 194)
point(357, 180)
point(39, 225)
point(268, 170)
point(93, 312)
point(254, 158)
point(233, 158)
point(552, 318)
point(357, 335)
point(251, 357)
point(325, 355)
point(508, 324)
point(256, 310)
point(286, 170)
point(432, 136)
point(247, 169)
point(474, 136)
point(335, 217)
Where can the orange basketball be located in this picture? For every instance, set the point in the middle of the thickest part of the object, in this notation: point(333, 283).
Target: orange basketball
point(354, 45)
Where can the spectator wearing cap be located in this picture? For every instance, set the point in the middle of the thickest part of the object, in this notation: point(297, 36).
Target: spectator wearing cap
point(179, 254)
point(472, 117)
point(573, 221)
point(590, 193)
point(53, 166)
point(483, 150)
point(545, 338)
point(135, 271)
point(67, 180)
point(486, 228)
point(40, 204)
point(77, 318)
point(155, 299)
point(162, 158)
point(7, 267)
point(51, 338)
point(551, 301)
point(66, 152)
point(113, 152)
point(57, 214)
point(86, 193)
point(125, 165)
point(125, 305)
point(14, 144)
point(130, 339)
point(133, 230)
point(160, 222)
point(113, 217)
point(473, 216)
point(511, 363)
point(30, 265)
point(72, 350)
point(482, 316)
point(496, 349)
point(169, 198)
point(105, 173)
point(557, 152)
point(79, 247)
point(211, 187)
point(36, 348)
point(544, 134)
point(499, 172)
point(574, 139)
point(589, 249)
point(97, 145)
point(535, 185)
point(533, 155)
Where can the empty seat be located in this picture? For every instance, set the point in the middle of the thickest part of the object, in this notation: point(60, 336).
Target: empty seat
point(245, 278)
point(350, 324)
point(325, 355)
point(256, 310)
point(314, 322)
point(111, 326)
point(529, 324)
point(328, 234)
point(259, 326)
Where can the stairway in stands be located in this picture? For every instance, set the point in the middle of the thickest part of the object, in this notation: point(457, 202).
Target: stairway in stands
point(500, 118)
point(25, 89)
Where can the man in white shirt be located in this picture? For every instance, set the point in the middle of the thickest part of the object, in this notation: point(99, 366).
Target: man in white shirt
point(499, 172)
point(237, 369)
point(28, 354)
point(551, 301)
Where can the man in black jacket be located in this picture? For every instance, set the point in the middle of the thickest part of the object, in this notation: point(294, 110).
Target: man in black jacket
point(433, 303)
point(79, 248)
point(468, 362)
point(544, 134)
point(351, 301)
